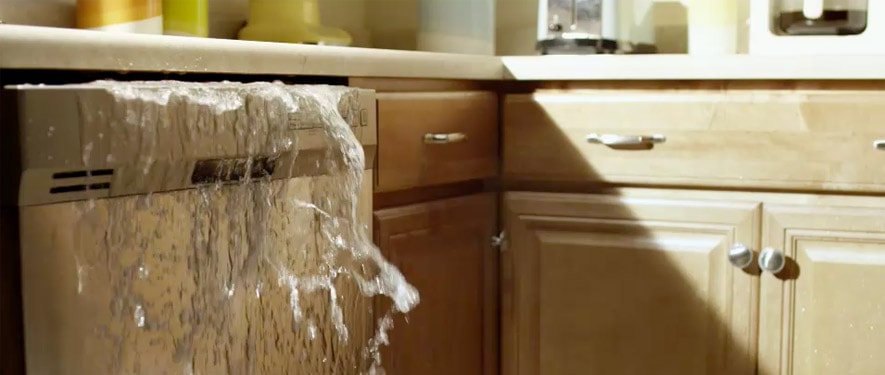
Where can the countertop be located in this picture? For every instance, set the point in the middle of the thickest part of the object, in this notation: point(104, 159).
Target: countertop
point(32, 47)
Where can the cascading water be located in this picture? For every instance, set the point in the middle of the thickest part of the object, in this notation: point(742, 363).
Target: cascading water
point(259, 276)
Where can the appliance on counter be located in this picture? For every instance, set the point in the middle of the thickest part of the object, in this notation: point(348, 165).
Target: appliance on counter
point(817, 27)
point(595, 27)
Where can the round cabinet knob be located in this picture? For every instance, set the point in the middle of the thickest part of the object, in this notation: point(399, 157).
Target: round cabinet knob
point(772, 260)
point(740, 256)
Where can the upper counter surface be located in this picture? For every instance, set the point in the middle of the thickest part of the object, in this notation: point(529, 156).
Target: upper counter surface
point(30, 47)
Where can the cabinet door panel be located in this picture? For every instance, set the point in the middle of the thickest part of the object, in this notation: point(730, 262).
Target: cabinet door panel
point(828, 316)
point(443, 248)
point(606, 284)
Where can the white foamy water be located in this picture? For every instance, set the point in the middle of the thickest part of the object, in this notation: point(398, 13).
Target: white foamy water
point(256, 277)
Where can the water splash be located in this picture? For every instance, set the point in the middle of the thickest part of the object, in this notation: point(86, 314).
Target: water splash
point(257, 277)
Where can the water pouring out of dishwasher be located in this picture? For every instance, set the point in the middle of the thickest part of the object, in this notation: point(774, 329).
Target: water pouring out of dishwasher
point(198, 228)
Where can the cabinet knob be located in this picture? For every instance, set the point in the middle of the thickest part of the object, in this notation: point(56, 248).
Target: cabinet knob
point(772, 260)
point(740, 256)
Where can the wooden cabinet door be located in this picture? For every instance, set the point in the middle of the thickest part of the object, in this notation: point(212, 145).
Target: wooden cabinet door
point(610, 284)
point(443, 248)
point(826, 313)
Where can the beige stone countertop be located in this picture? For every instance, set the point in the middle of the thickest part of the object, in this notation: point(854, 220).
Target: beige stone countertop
point(687, 67)
point(32, 47)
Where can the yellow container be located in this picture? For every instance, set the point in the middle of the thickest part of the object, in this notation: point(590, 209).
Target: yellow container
point(290, 21)
point(186, 17)
point(134, 16)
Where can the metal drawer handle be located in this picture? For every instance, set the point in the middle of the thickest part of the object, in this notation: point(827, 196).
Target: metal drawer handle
point(444, 138)
point(626, 140)
point(879, 144)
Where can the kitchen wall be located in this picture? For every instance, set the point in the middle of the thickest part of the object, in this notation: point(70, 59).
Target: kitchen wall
point(226, 17)
point(374, 23)
point(394, 24)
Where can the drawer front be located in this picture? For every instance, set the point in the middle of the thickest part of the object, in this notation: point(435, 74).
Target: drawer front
point(790, 139)
point(407, 160)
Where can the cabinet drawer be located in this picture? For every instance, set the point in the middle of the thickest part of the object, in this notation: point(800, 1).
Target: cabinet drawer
point(406, 160)
point(801, 139)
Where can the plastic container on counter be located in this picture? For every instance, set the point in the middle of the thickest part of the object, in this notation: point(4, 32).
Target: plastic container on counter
point(186, 17)
point(131, 16)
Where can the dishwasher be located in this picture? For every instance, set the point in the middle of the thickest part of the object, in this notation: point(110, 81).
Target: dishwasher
point(167, 227)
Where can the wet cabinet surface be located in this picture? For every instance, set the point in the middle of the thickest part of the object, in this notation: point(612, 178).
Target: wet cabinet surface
point(163, 284)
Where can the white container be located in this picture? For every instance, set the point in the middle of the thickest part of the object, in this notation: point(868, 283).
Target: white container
point(457, 26)
point(712, 27)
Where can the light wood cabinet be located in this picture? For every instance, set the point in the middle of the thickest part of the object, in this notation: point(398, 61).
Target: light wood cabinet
point(727, 136)
point(606, 284)
point(829, 316)
point(637, 281)
point(444, 249)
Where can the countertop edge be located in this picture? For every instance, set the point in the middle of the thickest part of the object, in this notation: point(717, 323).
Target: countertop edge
point(31, 47)
point(688, 67)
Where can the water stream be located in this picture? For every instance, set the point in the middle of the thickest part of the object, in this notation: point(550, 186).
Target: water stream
point(260, 276)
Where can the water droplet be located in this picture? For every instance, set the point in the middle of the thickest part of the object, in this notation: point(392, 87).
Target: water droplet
point(139, 316)
point(143, 272)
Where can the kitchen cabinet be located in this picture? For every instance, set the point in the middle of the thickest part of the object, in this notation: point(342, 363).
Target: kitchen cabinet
point(432, 138)
point(607, 284)
point(629, 280)
point(786, 137)
point(633, 281)
point(828, 317)
point(444, 249)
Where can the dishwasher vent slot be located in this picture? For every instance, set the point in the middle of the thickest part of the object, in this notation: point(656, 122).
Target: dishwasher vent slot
point(84, 183)
point(81, 187)
point(80, 174)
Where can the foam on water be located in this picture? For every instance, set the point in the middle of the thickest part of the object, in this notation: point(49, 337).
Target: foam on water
point(258, 277)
